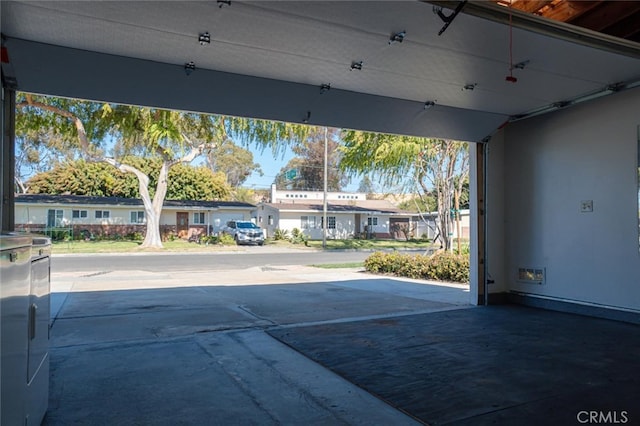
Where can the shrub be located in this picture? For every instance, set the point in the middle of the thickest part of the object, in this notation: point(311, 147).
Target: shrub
point(298, 237)
point(280, 234)
point(449, 267)
point(226, 240)
point(375, 262)
point(209, 240)
point(441, 266)
point(135, 236)
point(464, 249)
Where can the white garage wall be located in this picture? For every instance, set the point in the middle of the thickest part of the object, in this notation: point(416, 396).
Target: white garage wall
point(552, 163)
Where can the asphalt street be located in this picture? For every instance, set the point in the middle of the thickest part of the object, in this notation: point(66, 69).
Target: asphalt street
point(250, 258)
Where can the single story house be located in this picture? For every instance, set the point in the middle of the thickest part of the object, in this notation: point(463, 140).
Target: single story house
point(349, 215)
point(111, 216)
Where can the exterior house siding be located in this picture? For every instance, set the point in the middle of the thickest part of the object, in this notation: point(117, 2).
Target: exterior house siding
point(32, 215)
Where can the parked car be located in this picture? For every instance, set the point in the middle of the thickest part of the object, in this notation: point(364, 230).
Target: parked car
point(244, 232)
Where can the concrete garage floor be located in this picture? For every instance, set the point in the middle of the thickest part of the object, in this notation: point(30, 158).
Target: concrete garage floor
point(142, 348)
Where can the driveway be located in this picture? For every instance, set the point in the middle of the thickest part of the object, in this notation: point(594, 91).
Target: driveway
point(140, 347)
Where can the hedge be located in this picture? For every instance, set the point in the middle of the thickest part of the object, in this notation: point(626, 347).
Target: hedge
point(441, 266)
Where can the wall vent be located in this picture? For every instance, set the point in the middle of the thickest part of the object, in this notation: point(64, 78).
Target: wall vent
point(532, 275)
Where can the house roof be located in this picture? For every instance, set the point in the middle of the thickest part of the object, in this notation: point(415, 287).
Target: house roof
point(120, 201)
point(365, 206)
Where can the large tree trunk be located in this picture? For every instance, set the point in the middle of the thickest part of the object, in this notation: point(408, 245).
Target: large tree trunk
point(152, 238)
point(151, 213)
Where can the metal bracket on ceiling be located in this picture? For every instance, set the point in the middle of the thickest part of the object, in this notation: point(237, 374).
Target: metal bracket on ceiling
point(448, 19)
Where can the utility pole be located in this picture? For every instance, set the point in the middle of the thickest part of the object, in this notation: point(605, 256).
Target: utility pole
point(324, 200)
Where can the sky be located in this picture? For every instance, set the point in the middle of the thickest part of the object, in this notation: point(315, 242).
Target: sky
point(271, 167)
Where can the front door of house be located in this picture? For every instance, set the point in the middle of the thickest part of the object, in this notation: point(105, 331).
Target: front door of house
point(182, 223)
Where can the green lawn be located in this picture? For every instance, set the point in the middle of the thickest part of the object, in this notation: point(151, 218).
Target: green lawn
point(371, 244)
point(66, 247)
point(123, 246)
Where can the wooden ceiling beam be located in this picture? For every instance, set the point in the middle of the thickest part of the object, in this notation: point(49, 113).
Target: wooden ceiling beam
point(567, 11)
point(627, 27)
point(607, 15)
point(530, 6)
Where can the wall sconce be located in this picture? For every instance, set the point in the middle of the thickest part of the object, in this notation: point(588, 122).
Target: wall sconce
point(325, 88)
point(189, 67)
point(429, 104)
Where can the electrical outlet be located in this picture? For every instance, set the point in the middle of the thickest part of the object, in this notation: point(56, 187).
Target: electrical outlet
point(586, 206)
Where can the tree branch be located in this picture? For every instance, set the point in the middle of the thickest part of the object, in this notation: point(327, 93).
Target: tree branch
point(82, 133)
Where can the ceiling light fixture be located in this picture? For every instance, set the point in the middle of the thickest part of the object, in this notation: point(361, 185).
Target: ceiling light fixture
point(204, 38)
point(397, 37)
point(356, 66)
point(189, 67)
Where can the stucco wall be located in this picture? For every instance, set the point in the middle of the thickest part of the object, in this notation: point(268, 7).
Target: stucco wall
point(553, 163)
point(345, 226)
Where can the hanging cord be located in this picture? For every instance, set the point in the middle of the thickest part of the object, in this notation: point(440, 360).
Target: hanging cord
point(510, 78)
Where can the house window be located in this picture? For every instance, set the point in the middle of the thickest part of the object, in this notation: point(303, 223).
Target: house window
point(199, 218)
point(259, 219)
point(372, 221)
point(102, 214)
point(54, 218)
point(307, 222)
point(331, 222)
point(270, 220)
point(79, 214)
point(137, 217)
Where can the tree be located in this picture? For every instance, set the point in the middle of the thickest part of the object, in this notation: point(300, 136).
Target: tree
point(234, 161)
point(309, 163)
point(426, 167)
point(366, 185)
point(172, 137)
point(101, 180)
point(83, 178)
point(420, 204)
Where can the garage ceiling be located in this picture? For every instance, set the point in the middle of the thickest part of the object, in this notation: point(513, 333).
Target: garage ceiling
point(270, 60)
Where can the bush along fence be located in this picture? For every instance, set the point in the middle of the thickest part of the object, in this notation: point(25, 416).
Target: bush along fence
point(442, 266)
